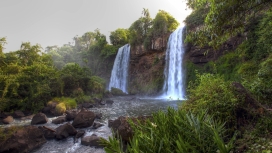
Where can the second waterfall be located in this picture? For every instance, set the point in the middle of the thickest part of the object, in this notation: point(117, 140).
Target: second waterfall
point(174, 78)
point(119, 71)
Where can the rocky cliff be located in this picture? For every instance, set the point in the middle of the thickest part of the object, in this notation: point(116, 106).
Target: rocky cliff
point(146, 67)
point(202, 55)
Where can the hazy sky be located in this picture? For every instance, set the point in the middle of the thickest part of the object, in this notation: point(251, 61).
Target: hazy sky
point(56, 22)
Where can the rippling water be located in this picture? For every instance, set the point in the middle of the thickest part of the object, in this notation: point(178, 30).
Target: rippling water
point(130, 106)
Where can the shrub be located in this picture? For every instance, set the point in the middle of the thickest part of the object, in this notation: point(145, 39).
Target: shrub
point(175, 131)
point(64, 102)
point(61, 108)
point(212, 94)
point(96, 85)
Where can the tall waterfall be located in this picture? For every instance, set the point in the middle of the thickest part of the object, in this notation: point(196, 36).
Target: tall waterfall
point(173, 85)
point(119, 71)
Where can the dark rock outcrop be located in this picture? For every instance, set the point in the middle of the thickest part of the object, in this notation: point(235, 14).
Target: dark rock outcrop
point(48, 132)
point(23, 140)
point(97, 125)
point(84, 119)
point(109, 102)
point(59, 120)
point(92, 141)
point(122, 127)
point(80, 133)
point(18, 114)
point(65, 131)
point(39, 118)
point(87, 105)
point(70, 115)
point(50, 109)
point(8, 120)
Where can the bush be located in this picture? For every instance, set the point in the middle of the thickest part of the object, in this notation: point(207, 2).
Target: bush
point(263, 83)
point(96, 85)
point(175, 131)
point(64, 102)
point(212, 94)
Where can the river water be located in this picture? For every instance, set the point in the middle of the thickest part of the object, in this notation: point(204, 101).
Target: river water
point(130, 106)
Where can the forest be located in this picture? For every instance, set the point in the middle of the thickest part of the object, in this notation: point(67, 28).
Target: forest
point(228, 104)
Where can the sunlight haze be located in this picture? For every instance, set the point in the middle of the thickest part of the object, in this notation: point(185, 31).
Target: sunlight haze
point(56, 22)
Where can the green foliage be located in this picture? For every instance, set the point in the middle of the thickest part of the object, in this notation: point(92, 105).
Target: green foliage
point(164, 23)
point(2, 43)
point(263, 83)
point(96, 85)
point(175, 131)
point(213, 94)
point(64, 103)
point(144, 30)
point(117, 92)
point(109, 50)
point(73, 77)
point(119, 37)
point(26, 79)
point(6, 133)
point(224, 19)
point(196, 18)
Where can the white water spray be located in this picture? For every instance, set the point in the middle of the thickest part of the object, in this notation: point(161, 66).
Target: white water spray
point(173, 85)
point(119, 71)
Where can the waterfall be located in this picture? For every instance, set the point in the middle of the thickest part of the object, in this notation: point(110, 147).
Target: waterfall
point(173, 84)
point(119, 71)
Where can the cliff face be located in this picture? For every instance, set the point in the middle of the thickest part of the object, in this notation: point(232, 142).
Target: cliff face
point(202, 55)
point(147, 68)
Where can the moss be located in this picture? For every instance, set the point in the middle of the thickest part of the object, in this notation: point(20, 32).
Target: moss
point(63, 102)
point(6, 133)
point(61, 108)
point(117, 92)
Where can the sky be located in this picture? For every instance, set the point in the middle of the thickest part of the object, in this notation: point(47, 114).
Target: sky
point(56, 22)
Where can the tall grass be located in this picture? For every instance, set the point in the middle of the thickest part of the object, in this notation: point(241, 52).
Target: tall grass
point(175, 131)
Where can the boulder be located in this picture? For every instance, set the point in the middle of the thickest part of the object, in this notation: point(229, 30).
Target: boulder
point(92, 141)
point(109, 102)
point(80, 133)
point(48, 132)
point(70, 115)
point(122, 127)
point(18, 114)
point(39, 118)
point(50, 109)
point(64, 131)
point(97, 125)
point(102, 102)
point(97, 100)
point(87, 105)
point(84, 119)
point(8, 120)
point(59, 120)
point(23, 140)
point(27, 117)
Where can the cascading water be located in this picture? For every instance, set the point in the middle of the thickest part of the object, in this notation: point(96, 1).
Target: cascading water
point(119, 71)
point(173, 85)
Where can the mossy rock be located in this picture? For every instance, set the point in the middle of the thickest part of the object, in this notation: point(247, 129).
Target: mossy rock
point(117, 92)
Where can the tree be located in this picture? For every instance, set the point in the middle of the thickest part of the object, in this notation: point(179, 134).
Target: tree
point(2, 43)
point(225, 18)
point(119, 37)
point(139, 29)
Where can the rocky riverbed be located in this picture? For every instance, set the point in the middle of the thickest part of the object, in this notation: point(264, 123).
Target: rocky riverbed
point(79, 130)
